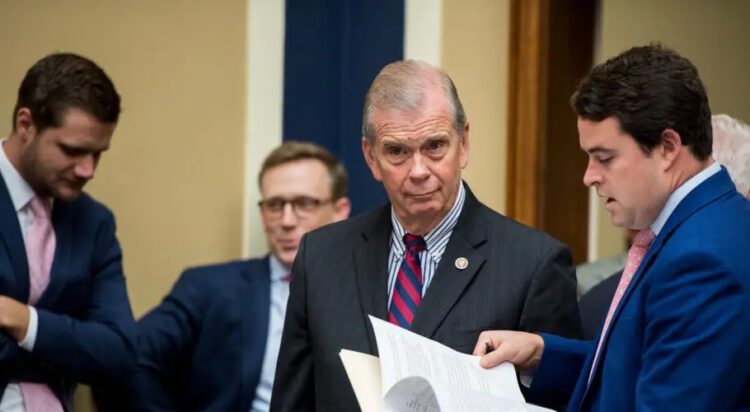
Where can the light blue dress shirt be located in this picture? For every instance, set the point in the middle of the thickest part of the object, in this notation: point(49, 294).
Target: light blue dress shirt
point(279, 297)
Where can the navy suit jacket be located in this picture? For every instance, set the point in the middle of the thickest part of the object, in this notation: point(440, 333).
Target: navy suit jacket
point(86, 330)
point(202, 348)
point(680, 338)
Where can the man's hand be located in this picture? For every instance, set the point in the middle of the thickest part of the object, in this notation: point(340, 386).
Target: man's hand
point(14, 317)
point(524, 350)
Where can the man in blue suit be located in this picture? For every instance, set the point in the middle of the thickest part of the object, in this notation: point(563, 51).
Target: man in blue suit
point(676, 337)
point(64, 311)
point(212, 344)
point(731, 148)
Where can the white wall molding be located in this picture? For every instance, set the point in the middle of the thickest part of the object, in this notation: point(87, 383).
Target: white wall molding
point(263, 107)
point(423, 30)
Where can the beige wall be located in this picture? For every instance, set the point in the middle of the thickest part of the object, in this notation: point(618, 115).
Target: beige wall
point(174, 174)
point(475, 53)
point(712, 34)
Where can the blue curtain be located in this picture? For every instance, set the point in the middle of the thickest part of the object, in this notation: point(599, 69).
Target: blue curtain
point(333, 50)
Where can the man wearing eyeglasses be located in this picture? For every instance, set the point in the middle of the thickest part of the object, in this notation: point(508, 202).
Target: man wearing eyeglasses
point(212, 344)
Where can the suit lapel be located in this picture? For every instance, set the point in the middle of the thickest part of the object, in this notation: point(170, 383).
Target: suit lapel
point(710, 190)
point(371, 269)
point(254, 302)
point(12, 239)
point(450, 282)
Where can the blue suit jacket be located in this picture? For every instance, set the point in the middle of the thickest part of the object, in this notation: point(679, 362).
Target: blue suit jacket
point(86, 330)
point(202, 348)
point(680, 338)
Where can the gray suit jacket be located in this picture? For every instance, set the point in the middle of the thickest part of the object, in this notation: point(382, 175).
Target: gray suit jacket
point(517, 278)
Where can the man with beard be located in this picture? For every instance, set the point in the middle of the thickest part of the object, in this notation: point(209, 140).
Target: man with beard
point(64, 311)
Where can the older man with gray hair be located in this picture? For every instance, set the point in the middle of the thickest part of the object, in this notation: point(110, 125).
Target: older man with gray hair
point(434, 260)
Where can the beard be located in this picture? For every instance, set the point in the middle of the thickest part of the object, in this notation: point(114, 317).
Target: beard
point(42, 180)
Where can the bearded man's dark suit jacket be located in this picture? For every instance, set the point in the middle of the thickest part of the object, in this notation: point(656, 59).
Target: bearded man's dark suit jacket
point(86, 331)
point(517, 278)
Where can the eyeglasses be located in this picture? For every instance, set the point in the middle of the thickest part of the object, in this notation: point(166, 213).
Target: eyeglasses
point(302, 206)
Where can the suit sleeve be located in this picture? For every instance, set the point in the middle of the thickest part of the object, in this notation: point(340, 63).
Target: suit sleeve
point(696, 340)
point(558, 372)
point(294, 384)
point(551, 304)
point(165, 334)
point(100, 344)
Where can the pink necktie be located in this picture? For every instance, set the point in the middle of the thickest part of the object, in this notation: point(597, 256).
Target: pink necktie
point(635, 255)
point(40, 250)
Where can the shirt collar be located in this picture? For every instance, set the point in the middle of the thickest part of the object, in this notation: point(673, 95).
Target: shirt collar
point(20, 191)
point(278, 270)
point(676, 197)
point(437, 233)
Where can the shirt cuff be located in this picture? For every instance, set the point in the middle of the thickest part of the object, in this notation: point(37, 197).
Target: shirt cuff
point(30, 339)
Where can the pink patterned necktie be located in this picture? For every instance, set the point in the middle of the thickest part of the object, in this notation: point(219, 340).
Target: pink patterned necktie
point(40, 250)
point(635, 255)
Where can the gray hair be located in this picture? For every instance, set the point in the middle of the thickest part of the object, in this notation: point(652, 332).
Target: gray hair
point(401, 85)
point(732, 149)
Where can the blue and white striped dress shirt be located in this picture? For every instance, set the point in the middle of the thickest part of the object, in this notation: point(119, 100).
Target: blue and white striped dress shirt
point(437, 239)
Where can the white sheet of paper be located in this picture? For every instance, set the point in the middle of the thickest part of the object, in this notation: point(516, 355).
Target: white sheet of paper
point(364, 374)
point(403, 354)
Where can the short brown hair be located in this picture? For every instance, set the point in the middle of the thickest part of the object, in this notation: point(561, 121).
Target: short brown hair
point(62, 81)
point(649, 89)
point(292, 151)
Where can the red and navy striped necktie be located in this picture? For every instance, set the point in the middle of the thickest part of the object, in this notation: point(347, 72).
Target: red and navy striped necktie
point(407, 294)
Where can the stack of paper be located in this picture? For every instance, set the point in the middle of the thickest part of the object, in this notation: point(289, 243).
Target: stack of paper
point(414, 373)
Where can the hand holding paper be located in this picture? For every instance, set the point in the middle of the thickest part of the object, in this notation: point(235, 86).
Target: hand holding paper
point(417, 374)
point(522, 349)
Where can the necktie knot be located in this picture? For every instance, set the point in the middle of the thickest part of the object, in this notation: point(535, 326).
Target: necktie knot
point(643, 238)
point(414, 243)
point(39, 207)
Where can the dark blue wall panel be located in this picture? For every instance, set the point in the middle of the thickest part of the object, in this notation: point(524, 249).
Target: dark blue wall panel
point(333, 50)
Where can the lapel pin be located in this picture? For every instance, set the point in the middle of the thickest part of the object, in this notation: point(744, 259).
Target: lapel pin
point(461, 263)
